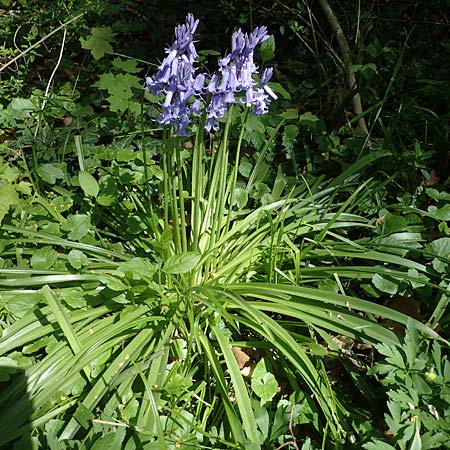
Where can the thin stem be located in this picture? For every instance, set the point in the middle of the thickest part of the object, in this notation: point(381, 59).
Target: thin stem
point(173, 197)
point(232, 185)
point(73, 19)
point(44, 102)
point(179, 163)
point(221, 169)
point(197, 185)
point(165, 181)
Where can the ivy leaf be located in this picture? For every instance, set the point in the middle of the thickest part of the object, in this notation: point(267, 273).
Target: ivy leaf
point(88, 183)
point(99, 41)
point(182, 263)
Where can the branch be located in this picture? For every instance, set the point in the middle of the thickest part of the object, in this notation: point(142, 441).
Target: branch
point(347, 59)
point(2, 68)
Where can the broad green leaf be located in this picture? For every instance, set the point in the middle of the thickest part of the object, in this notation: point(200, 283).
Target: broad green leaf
point(442, 213)
point(77, 259)
point(113, 282)
point(290, 114)
point(43, 258)
point(245, 167)
point(21, 108)
point(393, 224)
point(108, 191)
point(440, 250)
point(99, 42)
point(120, 89)
point(384, 285)
point(50, 173)
point(77, 226)
point(264, 384)
point(105, 442)
point(88, 183)
point(128, 65)
point(138, 268)
point(8, 198)
point(437, 195)
point(240, 197)
point(182, 263)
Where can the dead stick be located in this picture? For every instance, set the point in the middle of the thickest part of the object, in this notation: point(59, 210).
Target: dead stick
point(347, 59)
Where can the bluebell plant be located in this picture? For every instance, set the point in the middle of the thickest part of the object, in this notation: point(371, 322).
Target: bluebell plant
point(188, 92)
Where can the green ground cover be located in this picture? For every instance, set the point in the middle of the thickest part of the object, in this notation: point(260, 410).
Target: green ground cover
point(276, 280)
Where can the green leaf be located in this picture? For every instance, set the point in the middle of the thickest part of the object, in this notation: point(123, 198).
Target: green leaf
point(8, 198)
point(113, 282)
point(182, 263)
point(267, 49)
point(50, 173)
point(88, 183)
point(43, 258)
point(289, 134)
point(264, 384)
point(245, 167)
point(240, 197)
point(8, 366)
point(290, 114)
point(21, 108)
point(416, 443)
point(77, 225)
point(20, 305)
point(137, 268)
point(99, 42)
point(77, 259)
point(384, 285)
point(105, 442)
point(313, 123)
point(393, 224)
point(279, 89)
point(439, 249)
point(108, 191)
point(128, 65)
point(439, 213)
point(120, 89)
point(437, 196)
point(378, 445)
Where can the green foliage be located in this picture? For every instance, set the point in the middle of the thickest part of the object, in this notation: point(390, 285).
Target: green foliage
point(417, 376)
point(129, 265)
point(99, 42)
